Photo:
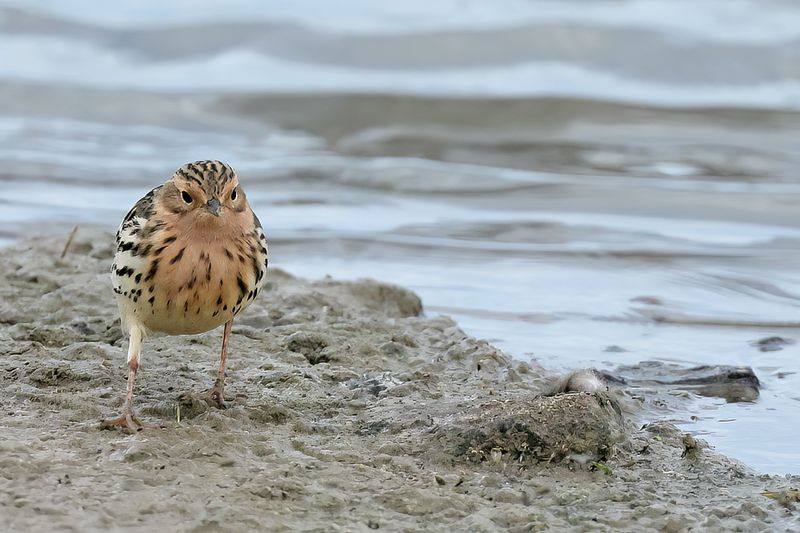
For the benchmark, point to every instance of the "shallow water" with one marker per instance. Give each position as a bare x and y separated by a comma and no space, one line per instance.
547,166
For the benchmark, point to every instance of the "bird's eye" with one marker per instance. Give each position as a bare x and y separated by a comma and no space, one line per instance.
234,193
186,197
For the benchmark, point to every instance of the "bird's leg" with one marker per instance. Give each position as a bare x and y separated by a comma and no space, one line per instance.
216,392
128,421
214,395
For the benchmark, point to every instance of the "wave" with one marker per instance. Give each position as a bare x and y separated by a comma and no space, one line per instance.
53,60
737,21
565,59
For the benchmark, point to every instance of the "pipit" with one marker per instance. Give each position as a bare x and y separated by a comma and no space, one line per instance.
191,255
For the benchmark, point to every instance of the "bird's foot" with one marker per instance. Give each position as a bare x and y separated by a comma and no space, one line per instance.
127,422
212,396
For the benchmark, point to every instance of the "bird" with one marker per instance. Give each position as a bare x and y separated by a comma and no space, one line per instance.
190,256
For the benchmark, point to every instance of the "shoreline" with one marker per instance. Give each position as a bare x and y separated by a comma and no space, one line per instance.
350,409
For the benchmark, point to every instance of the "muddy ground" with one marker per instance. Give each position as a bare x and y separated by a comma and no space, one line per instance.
350,410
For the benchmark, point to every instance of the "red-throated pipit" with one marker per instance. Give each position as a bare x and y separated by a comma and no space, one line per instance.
191,255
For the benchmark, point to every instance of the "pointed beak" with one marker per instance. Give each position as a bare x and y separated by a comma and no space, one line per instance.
213,206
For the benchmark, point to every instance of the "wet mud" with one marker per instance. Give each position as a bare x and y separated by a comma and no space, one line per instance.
350,409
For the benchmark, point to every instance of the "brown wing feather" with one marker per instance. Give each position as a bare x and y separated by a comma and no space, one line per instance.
141,210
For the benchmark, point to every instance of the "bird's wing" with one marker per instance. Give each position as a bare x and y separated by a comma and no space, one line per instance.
131,248
133,223
262,240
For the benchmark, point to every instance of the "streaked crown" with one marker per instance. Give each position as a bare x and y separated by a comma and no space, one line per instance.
211,175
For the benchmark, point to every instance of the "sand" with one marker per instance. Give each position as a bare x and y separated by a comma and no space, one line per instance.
350,409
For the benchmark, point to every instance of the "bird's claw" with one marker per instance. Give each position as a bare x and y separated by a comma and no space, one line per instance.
127,422
212,396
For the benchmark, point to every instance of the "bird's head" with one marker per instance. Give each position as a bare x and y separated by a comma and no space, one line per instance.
207,191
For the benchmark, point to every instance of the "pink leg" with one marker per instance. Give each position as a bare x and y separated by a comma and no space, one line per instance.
216,392
128,421
215,395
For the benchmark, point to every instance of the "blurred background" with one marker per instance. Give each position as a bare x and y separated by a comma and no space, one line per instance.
582,183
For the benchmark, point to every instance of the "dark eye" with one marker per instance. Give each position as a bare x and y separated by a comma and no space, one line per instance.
234,193
186,197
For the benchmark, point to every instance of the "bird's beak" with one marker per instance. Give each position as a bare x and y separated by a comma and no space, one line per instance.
213,206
